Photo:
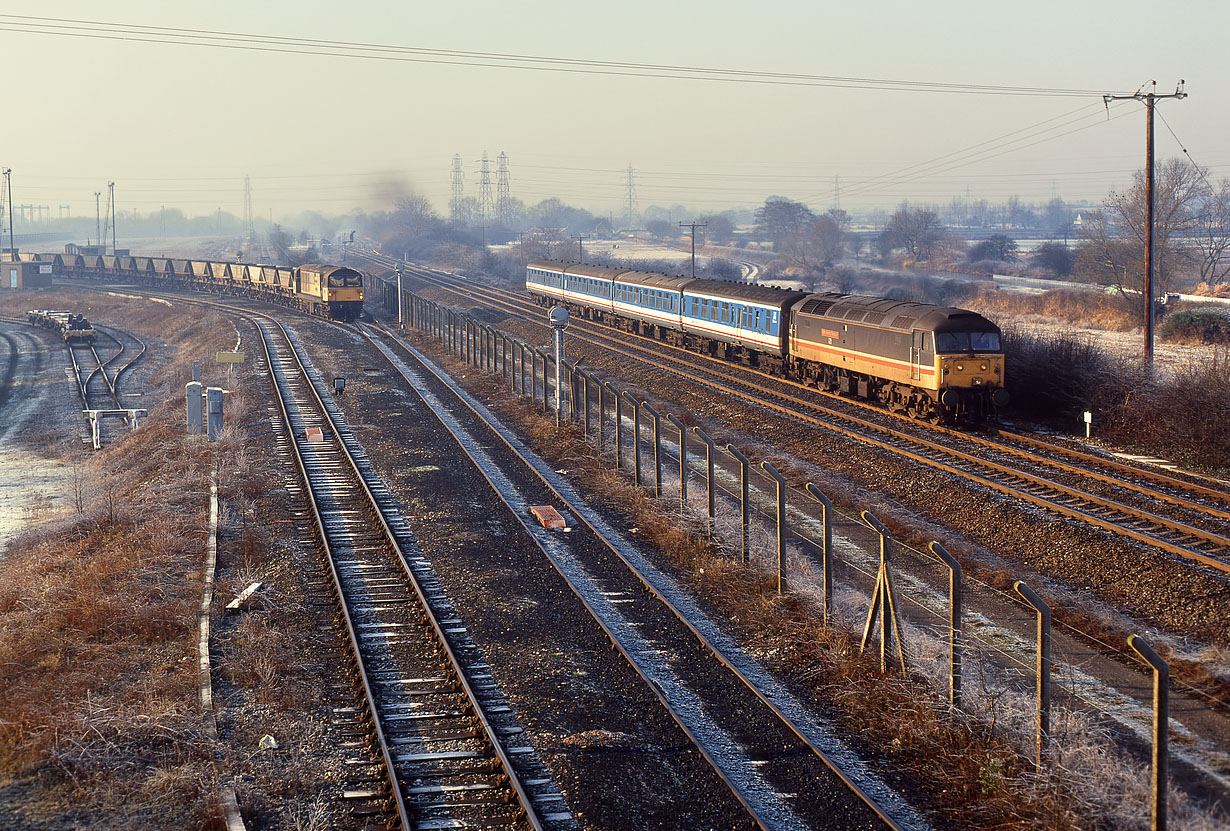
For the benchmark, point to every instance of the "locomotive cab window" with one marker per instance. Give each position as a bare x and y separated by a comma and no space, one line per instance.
957,342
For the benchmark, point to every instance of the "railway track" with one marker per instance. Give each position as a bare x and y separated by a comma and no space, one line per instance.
756,736
98,389
1181,516
451,750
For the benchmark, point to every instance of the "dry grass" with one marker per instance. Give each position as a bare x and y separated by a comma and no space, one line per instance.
1077,308
98,704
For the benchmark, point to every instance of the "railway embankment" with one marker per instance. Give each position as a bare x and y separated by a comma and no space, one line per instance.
100,719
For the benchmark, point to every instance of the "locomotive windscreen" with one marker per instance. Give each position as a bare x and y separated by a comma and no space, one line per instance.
950,342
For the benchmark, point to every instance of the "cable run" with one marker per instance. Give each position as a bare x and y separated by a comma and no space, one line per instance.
105,30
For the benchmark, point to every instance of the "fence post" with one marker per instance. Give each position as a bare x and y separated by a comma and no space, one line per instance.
954,624
512,366
546,397
619,424
533,372
884,600
683,463
524,346
585,376
781,525
1043,667
826,550
572,392
636,437
601,414
533,375
657,448
744,518
709,447
1161,725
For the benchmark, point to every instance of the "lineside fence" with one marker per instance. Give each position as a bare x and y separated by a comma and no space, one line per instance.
910,605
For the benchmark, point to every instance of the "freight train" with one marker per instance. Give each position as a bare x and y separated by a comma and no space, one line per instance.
73,328
327,290
931,362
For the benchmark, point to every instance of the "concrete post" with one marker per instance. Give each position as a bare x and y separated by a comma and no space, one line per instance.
213,396
781,524
1161,726
709,448
1043,669
636,437
196,416
954,623
683,463
826,552
619,424
744,516
657,448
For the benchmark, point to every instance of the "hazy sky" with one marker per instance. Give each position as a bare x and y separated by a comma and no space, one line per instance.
182,124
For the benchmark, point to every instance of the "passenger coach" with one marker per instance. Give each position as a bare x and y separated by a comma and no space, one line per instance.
930,362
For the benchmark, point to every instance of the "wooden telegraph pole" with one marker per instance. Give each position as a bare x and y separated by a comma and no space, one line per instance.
1150,99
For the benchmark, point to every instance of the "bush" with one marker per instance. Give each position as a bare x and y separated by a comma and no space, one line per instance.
1205,324
1054,258
1053,376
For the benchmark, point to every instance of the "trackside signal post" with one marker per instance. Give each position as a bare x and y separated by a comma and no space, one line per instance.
558,318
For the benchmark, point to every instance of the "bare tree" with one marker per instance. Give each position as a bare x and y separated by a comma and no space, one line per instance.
1055,257
662,229
814,247
1177,188
778,218
995,247
1211,235
719,228
914,229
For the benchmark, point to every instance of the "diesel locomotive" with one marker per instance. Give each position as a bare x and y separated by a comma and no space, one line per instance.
930,362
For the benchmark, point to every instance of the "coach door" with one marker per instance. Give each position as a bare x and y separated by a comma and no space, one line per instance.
916,350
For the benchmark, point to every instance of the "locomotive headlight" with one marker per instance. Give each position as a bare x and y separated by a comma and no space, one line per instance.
960,367
983,367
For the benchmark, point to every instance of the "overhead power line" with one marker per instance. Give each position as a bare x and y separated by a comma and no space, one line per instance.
983,151
106,30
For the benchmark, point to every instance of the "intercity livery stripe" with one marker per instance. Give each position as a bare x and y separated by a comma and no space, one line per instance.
797,346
